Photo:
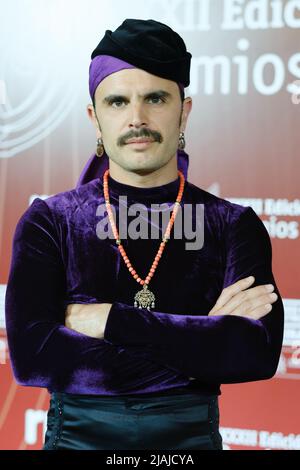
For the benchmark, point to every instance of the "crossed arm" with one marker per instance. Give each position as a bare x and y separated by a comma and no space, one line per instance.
221,347
237,299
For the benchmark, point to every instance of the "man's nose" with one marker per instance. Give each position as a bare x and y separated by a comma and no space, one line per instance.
138,115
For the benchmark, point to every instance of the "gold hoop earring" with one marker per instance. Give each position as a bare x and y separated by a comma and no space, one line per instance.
100,148
181,144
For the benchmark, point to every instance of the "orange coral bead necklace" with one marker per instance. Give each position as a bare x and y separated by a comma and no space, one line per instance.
143,298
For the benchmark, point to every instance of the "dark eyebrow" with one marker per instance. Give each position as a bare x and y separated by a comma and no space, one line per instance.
159,93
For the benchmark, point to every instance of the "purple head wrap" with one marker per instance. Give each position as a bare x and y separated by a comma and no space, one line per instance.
103,65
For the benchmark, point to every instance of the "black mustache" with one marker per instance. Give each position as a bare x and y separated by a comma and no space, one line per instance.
139,135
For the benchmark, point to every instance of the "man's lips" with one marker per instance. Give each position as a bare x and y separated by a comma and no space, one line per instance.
139,141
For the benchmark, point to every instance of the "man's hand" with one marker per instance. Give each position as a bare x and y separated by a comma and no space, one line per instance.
252,303
88,319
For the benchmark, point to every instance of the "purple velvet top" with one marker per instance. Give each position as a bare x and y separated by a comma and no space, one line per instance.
58,259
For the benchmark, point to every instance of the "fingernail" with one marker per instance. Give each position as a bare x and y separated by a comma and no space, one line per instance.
269,287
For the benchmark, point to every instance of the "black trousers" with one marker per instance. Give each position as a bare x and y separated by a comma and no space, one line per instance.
175,420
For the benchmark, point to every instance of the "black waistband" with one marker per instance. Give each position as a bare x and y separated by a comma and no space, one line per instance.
174,392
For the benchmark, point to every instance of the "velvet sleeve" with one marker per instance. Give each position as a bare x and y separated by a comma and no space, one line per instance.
43,351
224,348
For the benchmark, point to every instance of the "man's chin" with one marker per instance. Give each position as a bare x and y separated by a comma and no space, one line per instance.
141,161
144,171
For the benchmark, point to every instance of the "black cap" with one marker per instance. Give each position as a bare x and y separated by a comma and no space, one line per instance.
149,45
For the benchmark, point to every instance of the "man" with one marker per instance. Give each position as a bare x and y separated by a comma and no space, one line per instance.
133,337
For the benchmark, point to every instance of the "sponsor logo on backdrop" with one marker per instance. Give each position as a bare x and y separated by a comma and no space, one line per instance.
38,87
35,426
296,95
233,15
280,216
289,365
2,303
261,439
246,68
3,350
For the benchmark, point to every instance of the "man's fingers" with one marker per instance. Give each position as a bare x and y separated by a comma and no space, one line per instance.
259,312
248,306
250,298
232,290
255,313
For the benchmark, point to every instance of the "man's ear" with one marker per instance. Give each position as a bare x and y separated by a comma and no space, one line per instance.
186,109
92,116
91,112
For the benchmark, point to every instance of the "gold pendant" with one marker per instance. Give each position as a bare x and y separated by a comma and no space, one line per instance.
144,298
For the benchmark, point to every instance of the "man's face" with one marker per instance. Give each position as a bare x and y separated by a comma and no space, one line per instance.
144,106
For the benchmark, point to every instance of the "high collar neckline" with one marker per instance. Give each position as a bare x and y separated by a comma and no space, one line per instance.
164,192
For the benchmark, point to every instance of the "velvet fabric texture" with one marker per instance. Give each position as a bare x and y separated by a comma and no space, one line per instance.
58,258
